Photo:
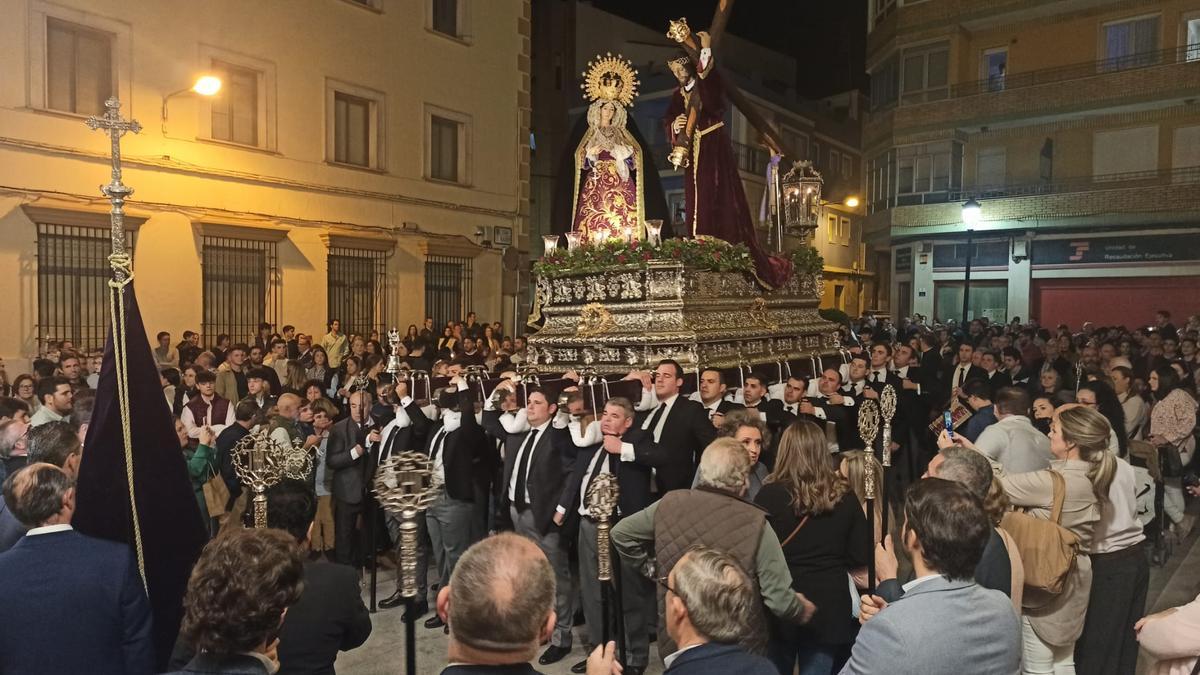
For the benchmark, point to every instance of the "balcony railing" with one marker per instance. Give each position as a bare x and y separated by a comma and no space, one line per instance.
1188,174
1076,71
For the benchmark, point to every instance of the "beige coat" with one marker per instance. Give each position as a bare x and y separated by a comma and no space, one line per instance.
1058,620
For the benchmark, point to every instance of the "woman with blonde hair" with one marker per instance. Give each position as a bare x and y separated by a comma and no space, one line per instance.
825,536
853,469
1052,623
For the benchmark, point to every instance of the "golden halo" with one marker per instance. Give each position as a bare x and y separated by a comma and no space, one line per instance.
610,77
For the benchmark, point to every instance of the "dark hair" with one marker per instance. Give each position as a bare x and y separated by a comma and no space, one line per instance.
259,373
203,376
323,405
762,381
278,341
291,507
1109,405
950,524
1013,401
41,498
44,368
885,345
287,328
9,406
53,443
240,347
977,388
82,406
239,589
1168,381
162,334
718,371
673,363
47,386
171,375
1011,351
245,410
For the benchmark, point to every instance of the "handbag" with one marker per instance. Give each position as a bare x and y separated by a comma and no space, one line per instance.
1047,548
216,495
792,536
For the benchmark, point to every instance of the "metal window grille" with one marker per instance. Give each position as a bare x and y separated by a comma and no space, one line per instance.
72,276
357,289
447,288
240,286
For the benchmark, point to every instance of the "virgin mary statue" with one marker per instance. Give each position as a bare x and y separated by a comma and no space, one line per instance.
608,168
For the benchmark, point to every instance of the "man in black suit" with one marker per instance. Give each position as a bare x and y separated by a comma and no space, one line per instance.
1018,374
678,425
912,418
499,605
770,411
330,615
626,453
407,431
833,405
72,604
348,455
930,363
962,370
459,450
712,395
536,465
997,377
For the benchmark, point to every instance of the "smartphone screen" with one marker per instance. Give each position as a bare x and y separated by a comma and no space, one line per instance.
948,421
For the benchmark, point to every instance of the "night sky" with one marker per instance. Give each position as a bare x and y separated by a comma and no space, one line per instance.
827,37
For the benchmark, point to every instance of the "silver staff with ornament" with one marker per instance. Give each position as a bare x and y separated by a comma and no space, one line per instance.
868,428
404,486
887,411
261,462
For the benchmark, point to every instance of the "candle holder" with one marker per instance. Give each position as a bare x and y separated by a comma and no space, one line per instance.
549,243
573,241
654,232
260,462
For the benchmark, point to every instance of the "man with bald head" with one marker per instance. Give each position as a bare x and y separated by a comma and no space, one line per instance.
499,606
46,589
347,455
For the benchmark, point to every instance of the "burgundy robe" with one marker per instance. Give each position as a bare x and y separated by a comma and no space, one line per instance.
716,202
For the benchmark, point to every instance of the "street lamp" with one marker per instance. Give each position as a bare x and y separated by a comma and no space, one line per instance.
205,85
971,213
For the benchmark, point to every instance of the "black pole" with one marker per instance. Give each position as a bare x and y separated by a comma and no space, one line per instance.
967,282
372,524
410,635
871,563
618,604
605,612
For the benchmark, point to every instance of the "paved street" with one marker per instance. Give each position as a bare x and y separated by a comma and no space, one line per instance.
383,654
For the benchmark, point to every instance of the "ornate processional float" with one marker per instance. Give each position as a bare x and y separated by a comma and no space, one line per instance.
619,296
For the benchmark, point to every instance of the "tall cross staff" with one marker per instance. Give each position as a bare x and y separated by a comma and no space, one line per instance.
122,268
116,191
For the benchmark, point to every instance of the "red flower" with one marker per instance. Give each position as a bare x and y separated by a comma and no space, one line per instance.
646,256
676,253
621,258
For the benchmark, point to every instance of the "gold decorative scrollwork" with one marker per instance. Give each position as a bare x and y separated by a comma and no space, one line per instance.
594,319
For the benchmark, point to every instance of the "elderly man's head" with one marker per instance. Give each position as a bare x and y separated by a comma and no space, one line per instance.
40,494
709,598
288,406
56,443
965,466
725,466
499,603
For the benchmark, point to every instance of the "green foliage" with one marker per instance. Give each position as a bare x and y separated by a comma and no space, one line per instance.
704,254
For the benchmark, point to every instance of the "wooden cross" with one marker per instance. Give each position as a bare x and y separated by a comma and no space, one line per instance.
116,191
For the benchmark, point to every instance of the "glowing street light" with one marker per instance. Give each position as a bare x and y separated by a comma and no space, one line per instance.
205,85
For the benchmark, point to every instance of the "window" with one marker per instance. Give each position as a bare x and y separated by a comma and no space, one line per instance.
1132,43
797,141
444,17
995,68
835,162
355,125
235,110
72,283
847,166
881,181
1185,153
832,225
239,285
79,68
1124,151
447,145
1191,37
990,169
1046,161
885,83
357,289
844,233
447,288
352,130
816,154
929,171
924,74
839,297
881,9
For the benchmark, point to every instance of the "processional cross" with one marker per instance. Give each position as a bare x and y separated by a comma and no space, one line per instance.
116,191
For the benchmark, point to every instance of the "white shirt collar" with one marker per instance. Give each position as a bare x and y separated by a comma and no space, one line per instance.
674,655
918,581
542,427
49,529
690,85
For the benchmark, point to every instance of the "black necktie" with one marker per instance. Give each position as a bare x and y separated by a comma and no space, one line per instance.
874,375
391,444
522,469
962,373
658,413
793,408
436,448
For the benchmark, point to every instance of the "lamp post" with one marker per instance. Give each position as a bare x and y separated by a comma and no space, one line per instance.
205,85
971,213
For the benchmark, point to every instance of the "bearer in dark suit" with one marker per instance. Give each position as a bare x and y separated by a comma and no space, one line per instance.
832,405
912,418
678,426
962,370
711,393
626,452
459,451
536,465
770,411
349,456
996,376
71,604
